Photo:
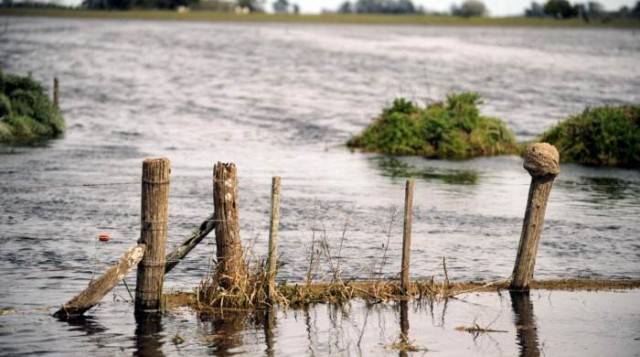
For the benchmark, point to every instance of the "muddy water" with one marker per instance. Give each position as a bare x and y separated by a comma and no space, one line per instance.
281,100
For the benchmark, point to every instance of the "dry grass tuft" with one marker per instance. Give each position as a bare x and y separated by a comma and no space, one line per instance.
405,345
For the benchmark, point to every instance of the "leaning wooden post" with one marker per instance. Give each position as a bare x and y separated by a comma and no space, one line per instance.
191,242
231,269
154,215
101,286
542,162
273,238
56,92
406,236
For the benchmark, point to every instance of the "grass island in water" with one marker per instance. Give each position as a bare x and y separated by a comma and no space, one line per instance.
603,136
26,113
453,129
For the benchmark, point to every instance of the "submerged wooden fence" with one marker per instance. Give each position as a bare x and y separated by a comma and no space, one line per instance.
541,161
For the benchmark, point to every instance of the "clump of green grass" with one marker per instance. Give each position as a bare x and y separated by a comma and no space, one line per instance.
453,129
26,113
603,136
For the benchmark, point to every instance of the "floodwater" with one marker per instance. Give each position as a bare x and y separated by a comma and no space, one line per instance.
281,99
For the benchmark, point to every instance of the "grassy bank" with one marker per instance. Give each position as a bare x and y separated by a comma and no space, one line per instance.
324,18
603,136
26,113
453,129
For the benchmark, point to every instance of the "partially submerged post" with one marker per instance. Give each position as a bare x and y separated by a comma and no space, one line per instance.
101,286
56,92
231,269
273,238
154,216
542,162
406,236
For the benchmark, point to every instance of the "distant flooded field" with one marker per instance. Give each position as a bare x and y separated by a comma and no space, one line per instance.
281,99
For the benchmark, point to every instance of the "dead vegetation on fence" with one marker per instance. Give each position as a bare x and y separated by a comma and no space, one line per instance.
301,295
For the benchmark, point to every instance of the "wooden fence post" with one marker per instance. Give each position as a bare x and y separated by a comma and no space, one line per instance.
56,92
232,269
406,236
273,238
542,162
153,233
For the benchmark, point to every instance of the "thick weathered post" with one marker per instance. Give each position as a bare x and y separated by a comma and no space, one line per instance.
101,286
231,269
56,92
273,237
153,233
542,162
406,236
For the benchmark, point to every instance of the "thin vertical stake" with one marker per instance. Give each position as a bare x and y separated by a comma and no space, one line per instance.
56,92
273,237
406,235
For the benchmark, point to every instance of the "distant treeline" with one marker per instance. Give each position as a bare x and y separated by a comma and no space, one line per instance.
380,7
129,4
563,9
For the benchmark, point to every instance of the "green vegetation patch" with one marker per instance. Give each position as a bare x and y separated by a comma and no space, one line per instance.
603,136
453,129
26,113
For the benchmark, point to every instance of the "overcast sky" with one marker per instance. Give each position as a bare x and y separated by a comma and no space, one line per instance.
496,7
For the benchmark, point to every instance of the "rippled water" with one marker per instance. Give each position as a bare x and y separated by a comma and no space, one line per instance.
280,100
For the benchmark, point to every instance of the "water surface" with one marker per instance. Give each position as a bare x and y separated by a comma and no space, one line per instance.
281,99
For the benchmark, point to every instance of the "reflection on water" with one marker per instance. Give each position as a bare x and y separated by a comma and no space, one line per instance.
87,324
611,188
404,326
149,335
525,323
562,323
395,168
269,324
223,330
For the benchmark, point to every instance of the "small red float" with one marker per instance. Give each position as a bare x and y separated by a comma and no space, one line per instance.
104,237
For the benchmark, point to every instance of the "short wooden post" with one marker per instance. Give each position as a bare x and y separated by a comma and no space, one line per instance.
273,238
153,233
406,236
231,269
542,162
56,92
